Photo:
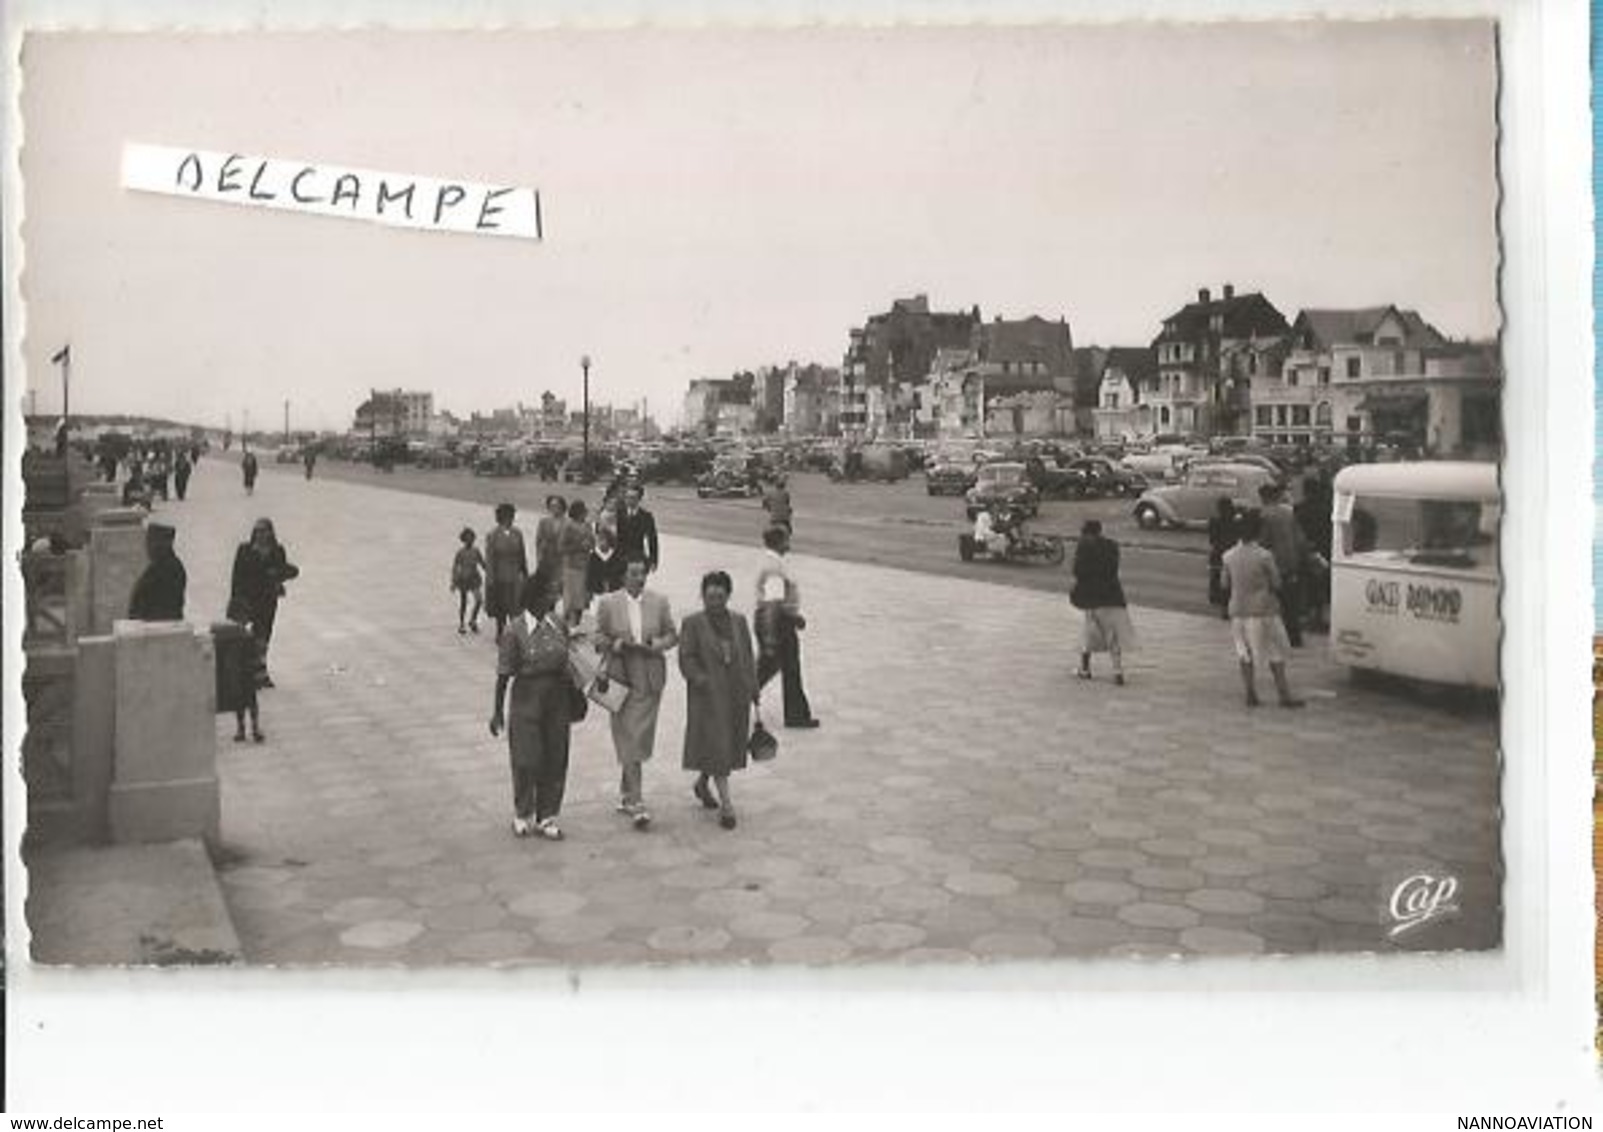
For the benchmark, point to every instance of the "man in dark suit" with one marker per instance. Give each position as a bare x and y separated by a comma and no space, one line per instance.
159,593
637,530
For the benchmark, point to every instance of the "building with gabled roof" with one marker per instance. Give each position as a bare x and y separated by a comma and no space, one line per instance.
1195,393
1367,376
1121,414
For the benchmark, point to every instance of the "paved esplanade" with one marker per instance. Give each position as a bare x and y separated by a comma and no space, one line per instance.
967,796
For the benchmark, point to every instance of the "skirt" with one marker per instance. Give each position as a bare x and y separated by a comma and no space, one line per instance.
634,727
1107,629
503,598
575,588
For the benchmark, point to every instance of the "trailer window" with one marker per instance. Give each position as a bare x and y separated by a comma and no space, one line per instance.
1426,532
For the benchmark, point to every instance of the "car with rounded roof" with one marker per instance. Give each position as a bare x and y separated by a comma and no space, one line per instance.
1195,499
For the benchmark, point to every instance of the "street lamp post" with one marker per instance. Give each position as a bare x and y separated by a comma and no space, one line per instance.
584,364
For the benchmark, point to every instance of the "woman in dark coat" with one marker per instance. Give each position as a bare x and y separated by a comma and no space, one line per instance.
1222,530
260,570
1098,594
720,670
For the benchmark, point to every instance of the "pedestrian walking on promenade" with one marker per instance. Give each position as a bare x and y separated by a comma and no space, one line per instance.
1284,539
776,501
248,468
1253,581
1221,537
467,580
309,458
715,657
635,627
157,476
1099,596
637,530
158,594
604,573
1318,527
261,567
574,546
548,532
533,662
506,568
245,672
182,468
779,623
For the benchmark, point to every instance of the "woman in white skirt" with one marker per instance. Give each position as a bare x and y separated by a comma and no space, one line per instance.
1098,594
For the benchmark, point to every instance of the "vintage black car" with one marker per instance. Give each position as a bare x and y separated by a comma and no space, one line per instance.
948,477
1003,484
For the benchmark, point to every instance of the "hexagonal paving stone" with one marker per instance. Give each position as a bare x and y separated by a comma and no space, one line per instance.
838,912
1168,880
913,898
1159,916
1018,823
901,845
465,917
981,884
770,867
698,877
377,934
1284,856
491,946
1111,858
731,901
439,896
884,935
873,876
1354,912
364,908
688,940
769,925
1101,892
1146,952
1220,941
568,930
1225,902
810,950
1013,945
1228,866
1079,935
947,955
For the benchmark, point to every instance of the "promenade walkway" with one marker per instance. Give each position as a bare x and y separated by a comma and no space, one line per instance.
965,798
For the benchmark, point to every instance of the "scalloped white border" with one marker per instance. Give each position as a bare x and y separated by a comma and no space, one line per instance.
1464,1033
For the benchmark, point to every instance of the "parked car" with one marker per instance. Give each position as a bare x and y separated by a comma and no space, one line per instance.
289,454
948,477
435,456
879,463
1105,478
575,470
1155,466
727,483
1194,501
496,460
1056,480
1002,483
1257,460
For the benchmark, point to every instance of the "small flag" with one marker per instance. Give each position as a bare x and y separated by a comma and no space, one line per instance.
62,354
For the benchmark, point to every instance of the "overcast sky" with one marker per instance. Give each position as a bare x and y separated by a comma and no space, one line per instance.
722,200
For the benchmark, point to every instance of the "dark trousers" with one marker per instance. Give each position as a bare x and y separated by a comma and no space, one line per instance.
1291,608
539,745
787,662
261,626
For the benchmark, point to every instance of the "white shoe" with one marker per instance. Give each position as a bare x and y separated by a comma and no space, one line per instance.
522,827
549,829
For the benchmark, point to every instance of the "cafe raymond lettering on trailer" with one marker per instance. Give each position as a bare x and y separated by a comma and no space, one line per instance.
402,200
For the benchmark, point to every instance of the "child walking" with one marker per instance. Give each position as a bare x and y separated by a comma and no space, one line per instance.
248,672
467,578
